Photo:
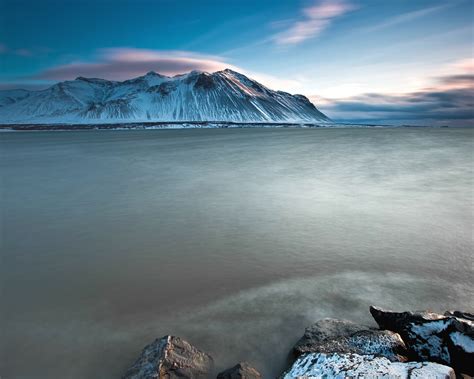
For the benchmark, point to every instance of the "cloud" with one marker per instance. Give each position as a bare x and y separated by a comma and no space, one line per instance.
126,63
456,82
450,102
315,19
405,17
23,52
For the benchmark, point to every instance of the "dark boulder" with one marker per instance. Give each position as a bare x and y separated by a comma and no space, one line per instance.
241,370
341,336
446,339
459,314
171,358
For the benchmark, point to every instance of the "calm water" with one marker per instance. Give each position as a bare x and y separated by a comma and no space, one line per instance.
233,239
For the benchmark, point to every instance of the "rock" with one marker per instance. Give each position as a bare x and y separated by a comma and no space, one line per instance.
241,370
169,358
341,336
321,365
466,315
446,339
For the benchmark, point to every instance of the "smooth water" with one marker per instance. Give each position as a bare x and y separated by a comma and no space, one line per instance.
233,239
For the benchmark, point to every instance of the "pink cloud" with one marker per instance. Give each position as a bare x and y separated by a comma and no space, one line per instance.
316,19
126,63
466,65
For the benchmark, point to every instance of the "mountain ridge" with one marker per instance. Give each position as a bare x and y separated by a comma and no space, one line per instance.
225,95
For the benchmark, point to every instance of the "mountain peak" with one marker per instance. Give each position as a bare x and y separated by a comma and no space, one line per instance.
198,72
225,95
228,70
91,80
153,73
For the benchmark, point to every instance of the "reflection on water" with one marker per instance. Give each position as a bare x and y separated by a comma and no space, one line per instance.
233,239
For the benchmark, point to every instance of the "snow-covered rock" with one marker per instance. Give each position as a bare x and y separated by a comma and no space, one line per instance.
172,358
341,336
339,366
445,339
197,96
242,370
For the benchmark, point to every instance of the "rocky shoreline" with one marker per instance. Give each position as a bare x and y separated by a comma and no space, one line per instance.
406,345
162,125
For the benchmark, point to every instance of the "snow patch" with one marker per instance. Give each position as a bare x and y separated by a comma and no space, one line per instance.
320,365
463,341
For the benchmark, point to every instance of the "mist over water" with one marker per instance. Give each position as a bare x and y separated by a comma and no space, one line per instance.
233,239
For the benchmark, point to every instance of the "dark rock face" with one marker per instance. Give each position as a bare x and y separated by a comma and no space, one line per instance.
446,339
204,81
241,370
171,358
163,88
340,336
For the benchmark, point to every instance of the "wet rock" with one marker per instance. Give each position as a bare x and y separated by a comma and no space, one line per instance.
169,358
459,314
341,336
241,370
446,339
321,365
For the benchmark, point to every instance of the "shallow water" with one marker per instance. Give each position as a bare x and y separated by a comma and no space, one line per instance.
233,239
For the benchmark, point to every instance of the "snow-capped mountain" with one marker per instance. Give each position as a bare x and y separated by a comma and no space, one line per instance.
196,96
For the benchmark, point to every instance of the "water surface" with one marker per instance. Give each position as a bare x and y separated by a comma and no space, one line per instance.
233,239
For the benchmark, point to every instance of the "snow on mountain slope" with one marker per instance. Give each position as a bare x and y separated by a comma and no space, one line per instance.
196,96
11,96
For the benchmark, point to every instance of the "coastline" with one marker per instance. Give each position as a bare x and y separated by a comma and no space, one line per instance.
162,125
407,344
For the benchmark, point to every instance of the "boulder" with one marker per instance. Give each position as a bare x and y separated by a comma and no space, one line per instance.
169,358
446,339
322,365
465,315
241,370
341,336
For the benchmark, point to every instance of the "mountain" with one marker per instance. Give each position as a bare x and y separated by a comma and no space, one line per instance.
196,96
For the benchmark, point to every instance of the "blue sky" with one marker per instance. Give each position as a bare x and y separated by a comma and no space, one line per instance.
356,59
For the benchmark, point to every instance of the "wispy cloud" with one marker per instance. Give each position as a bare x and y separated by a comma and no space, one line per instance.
315,19
23,52
125,63
406,17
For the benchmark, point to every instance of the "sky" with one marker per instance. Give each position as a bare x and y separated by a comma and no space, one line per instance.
368,61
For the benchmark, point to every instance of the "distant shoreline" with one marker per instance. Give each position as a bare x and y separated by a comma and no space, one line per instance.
189,125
